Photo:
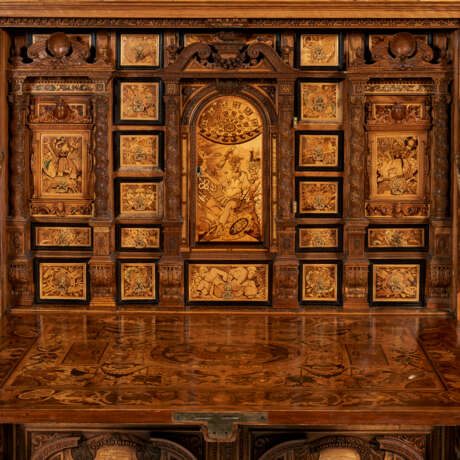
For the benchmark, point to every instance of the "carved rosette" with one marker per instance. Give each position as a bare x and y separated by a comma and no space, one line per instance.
440,149
101,186
358,150
17,164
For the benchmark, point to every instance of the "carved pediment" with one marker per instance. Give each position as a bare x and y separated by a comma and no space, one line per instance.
229,52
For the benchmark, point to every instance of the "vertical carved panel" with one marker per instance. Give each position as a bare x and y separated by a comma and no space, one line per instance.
171,283
101,186
440,188
358,150
356,282
285,284
17,155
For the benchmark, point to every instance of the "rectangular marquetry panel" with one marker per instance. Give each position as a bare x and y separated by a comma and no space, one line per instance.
137,281
139,237
61,236
320,283
235,283
396,282
397,237
61,281
319,238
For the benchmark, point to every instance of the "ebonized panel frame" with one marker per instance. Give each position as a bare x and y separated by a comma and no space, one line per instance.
119,282
40,260
35,246
138,32
119,247
338,133
297,49
325,303
116,148
267,303
117,120
420,262
424,248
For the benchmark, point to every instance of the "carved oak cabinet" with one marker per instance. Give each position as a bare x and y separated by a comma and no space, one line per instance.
239,164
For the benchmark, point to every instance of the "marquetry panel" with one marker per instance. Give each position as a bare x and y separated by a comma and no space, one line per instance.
319,51
137,238
396,282
139,50
139,197
397,238
230,165
234,283
138,101
61,237
319,197
61,281
320,101
138,151
319,238
320,283
137,281
319,150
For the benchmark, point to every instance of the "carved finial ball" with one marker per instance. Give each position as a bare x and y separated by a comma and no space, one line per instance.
59,44
403,44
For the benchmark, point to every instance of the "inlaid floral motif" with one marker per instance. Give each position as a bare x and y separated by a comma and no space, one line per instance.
139,101
62,281
319,50
139,50
320,102
319,282
137,281
396,283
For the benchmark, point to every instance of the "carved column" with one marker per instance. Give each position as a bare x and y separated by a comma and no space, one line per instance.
286,266
356,264
440,149
102,268
19,261
171,265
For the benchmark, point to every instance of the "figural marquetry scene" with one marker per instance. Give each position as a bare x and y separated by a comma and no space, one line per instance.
284,169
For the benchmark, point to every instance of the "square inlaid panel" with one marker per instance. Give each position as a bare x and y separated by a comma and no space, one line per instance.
320,282
126,364
138,101
319,101
139,50
141,197
319,51
396,282
137,281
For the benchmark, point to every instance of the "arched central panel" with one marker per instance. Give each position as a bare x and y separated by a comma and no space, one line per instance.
229,205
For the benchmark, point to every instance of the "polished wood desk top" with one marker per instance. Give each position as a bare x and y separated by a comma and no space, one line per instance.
299,369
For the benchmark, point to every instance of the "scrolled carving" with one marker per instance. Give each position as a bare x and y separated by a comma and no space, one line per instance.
102,279
286,278
59,50
401,51
20,278
410,447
